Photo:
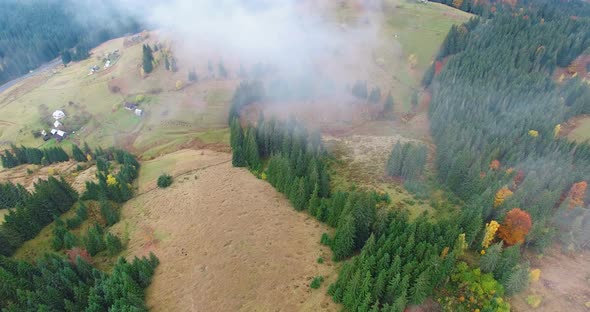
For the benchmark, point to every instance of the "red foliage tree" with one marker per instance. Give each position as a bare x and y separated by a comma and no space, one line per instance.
515,227
77,251
577,194
518,178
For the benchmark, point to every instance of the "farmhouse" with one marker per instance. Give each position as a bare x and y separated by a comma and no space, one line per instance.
58,134
130,106
138,112
58,114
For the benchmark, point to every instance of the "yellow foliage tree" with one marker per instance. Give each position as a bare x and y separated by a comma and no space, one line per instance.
89,157
534,133
556,130
535,275
179,84
501,196
460,245
111,180
491,229
457,3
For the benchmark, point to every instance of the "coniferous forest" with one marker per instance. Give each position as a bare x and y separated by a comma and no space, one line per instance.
35,32
496,112
57,282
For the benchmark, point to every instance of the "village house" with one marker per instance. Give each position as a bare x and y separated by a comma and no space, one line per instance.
130,106
58,135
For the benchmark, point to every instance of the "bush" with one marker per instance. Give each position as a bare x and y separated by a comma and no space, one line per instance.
320,260
164,181
316,282
325,240
534,301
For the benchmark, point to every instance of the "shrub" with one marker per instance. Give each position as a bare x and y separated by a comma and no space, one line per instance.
164,181
320,260
316,282
325,240
534,301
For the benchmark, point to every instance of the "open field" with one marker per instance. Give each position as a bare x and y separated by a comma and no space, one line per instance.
263,255
559,287
581,131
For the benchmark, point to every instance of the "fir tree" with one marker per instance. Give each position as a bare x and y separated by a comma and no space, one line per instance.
148,59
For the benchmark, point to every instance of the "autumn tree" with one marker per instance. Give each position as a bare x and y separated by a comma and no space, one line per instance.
577,194
490,233
501,196
495,164
515,227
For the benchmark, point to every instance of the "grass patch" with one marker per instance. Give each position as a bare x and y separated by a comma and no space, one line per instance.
582,131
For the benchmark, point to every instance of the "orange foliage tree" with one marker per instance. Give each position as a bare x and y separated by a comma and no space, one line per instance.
577,194
501,196
515,227
457,3
495,164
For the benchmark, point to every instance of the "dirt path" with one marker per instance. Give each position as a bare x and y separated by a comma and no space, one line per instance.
227,242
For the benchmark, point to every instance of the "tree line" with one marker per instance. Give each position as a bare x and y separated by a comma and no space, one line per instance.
31,155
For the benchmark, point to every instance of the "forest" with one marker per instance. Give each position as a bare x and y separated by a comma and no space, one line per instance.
35,32
495,113
66,280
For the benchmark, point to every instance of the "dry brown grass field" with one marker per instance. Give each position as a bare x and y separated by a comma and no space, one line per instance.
226,240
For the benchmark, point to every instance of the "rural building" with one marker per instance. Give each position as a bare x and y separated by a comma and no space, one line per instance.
57,124
58,134
130,106
58,114
138,112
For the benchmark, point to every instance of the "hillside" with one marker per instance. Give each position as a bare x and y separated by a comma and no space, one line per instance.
355,155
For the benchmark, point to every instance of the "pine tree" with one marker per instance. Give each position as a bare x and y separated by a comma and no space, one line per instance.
113,244
315,203
491,258
251,150
343,243
388,107
148,59
517,280
78,154
421,288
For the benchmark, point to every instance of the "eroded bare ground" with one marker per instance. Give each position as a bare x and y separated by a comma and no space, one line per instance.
28,175
227,242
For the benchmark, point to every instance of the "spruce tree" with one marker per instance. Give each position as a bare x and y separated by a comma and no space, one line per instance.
251,150
148,59
78,154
